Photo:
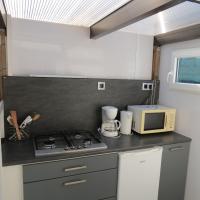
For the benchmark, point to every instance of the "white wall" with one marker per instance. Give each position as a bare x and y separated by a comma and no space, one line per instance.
53,49
188,115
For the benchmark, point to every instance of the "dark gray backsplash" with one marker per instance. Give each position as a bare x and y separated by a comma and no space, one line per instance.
69,103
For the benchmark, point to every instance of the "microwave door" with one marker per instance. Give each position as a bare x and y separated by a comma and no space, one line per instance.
154,121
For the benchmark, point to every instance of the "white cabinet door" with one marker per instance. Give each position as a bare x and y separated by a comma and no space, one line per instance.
12,183
139,174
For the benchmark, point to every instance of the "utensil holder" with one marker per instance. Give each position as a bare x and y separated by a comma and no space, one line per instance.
25,134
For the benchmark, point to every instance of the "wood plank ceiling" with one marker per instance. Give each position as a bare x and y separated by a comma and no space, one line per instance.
101,16
72,12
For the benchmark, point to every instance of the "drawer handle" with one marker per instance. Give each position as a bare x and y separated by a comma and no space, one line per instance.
176,148
74,183
75,168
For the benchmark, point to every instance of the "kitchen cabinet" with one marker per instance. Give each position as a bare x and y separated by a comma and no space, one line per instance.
139,173
96,177
91,186
12,177
173,171
63,168
91,178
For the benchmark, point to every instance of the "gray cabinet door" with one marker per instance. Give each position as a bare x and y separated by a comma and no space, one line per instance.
173,171
91,186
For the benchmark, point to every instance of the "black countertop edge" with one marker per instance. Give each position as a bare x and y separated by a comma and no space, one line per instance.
22,153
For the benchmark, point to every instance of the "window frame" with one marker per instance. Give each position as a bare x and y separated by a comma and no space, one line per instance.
171,77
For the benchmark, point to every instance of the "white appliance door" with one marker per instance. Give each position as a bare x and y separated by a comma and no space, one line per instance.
139,174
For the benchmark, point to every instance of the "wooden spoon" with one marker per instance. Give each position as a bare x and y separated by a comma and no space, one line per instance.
13,114
35,117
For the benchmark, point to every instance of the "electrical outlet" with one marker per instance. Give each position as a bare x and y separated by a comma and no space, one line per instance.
147,86
101,85
150,86
144,86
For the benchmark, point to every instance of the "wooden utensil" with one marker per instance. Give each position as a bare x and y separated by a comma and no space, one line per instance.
28,120
35,117
9,119
13,114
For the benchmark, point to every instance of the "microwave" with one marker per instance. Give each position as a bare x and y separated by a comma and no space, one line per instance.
152,118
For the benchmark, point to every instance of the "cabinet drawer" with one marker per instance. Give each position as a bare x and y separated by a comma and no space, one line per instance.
91,186
69,167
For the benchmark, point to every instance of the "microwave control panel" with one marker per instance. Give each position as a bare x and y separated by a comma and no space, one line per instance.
171,120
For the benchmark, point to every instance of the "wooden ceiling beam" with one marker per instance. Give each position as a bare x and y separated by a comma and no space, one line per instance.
183,34
131,12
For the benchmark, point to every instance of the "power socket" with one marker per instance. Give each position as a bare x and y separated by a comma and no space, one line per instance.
101,85
147,86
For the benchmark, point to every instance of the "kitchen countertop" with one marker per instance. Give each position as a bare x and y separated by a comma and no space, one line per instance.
21,153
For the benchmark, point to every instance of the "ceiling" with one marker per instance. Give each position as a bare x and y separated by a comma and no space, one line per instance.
181,15
87,12
73,12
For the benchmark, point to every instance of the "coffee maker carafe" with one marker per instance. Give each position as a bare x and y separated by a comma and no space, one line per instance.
110,127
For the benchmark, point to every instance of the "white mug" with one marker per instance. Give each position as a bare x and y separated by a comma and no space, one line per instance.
126,118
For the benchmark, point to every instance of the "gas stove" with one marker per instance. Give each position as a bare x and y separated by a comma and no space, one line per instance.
67,142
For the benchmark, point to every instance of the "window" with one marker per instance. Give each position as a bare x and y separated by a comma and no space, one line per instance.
185,73
188,70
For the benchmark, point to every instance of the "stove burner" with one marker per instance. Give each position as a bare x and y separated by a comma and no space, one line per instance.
50,143
49,146
78,136
67,142
50,140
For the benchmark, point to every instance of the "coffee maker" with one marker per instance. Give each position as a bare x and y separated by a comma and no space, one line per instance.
110,127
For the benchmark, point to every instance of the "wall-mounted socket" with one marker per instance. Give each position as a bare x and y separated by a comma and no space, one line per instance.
147,86
101,85
150,86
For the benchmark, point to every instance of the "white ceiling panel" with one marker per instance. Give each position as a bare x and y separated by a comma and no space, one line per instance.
73,12
182,15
